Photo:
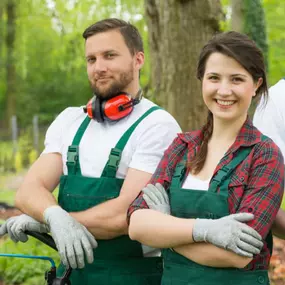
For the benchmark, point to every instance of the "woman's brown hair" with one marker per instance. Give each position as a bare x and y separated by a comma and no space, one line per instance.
241,48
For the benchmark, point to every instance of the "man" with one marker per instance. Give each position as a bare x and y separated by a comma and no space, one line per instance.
269,118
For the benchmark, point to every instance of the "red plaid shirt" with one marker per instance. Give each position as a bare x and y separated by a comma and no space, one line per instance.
256,186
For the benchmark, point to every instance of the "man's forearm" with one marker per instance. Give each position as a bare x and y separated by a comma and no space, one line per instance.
32,199
278,227
210,255
35,193
107,220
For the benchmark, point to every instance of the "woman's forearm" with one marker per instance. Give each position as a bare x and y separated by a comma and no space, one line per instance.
210,255
158,230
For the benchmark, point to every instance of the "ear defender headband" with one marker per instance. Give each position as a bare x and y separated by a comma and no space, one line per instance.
113,109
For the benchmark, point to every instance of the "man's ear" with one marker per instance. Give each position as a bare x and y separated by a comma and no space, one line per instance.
139,60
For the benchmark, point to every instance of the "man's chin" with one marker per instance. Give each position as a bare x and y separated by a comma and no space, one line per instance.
103,95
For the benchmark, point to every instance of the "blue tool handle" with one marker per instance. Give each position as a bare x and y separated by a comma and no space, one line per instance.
29,257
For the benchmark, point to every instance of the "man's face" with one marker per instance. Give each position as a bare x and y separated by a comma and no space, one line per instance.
110,66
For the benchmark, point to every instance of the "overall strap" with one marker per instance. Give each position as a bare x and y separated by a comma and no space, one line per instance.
222,178
179,172
112,164
72,163
224,173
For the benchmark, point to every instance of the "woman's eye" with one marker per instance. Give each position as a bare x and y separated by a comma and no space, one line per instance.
237,79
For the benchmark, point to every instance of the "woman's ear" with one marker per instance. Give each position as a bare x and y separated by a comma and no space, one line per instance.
258,84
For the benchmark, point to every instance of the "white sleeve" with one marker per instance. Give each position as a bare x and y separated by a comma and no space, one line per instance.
152,142
269,120
54,135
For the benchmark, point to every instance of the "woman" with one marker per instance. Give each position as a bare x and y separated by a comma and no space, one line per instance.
227,167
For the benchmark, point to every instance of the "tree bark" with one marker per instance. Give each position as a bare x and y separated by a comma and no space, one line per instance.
2,63
237,15
10,64
177,31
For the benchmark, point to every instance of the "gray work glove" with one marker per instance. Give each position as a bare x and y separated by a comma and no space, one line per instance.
72,239
156,198
229,233
15,227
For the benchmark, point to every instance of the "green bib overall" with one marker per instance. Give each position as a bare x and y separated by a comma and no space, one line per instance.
188,203
118,261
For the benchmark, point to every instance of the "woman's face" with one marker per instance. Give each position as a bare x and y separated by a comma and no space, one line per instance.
227,88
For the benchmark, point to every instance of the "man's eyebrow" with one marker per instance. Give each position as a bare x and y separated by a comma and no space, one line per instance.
102,52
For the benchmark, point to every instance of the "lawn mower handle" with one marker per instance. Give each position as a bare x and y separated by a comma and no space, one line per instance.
50,276
45,238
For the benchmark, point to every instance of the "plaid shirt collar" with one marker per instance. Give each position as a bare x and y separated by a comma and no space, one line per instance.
248,136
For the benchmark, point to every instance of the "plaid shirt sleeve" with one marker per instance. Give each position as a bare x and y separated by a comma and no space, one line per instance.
163,173
265,187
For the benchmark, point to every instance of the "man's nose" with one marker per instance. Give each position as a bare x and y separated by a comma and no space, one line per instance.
100,65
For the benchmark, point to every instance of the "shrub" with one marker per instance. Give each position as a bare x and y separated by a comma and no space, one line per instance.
25,271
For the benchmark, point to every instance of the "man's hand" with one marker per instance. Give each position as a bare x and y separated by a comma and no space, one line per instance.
15,227
156,198
72,239
229,233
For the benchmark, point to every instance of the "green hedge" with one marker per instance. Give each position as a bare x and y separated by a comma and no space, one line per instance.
25,271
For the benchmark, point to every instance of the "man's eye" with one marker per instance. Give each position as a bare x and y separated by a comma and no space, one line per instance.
91,60
110,55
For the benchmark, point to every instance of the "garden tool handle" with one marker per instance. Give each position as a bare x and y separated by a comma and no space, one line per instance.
48,240
45,238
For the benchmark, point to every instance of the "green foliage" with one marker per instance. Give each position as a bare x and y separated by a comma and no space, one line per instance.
283,204
24,156
7,196
225,23
6,156
33,155
49,51
18,162
274,12
25,271
254,25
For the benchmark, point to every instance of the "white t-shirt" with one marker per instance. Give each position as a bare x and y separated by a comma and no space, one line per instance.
192,182
143,151
270,118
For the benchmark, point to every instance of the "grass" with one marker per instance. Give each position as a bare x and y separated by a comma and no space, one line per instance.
7,196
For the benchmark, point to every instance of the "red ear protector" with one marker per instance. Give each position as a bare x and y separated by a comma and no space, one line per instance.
113,109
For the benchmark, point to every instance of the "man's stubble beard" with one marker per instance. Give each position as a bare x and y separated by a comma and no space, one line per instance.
116,86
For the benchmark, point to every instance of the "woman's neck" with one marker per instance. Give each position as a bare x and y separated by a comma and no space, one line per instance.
226,131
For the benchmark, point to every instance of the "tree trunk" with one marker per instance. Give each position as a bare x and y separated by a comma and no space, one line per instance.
10,65
2,63
237,21
177,31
